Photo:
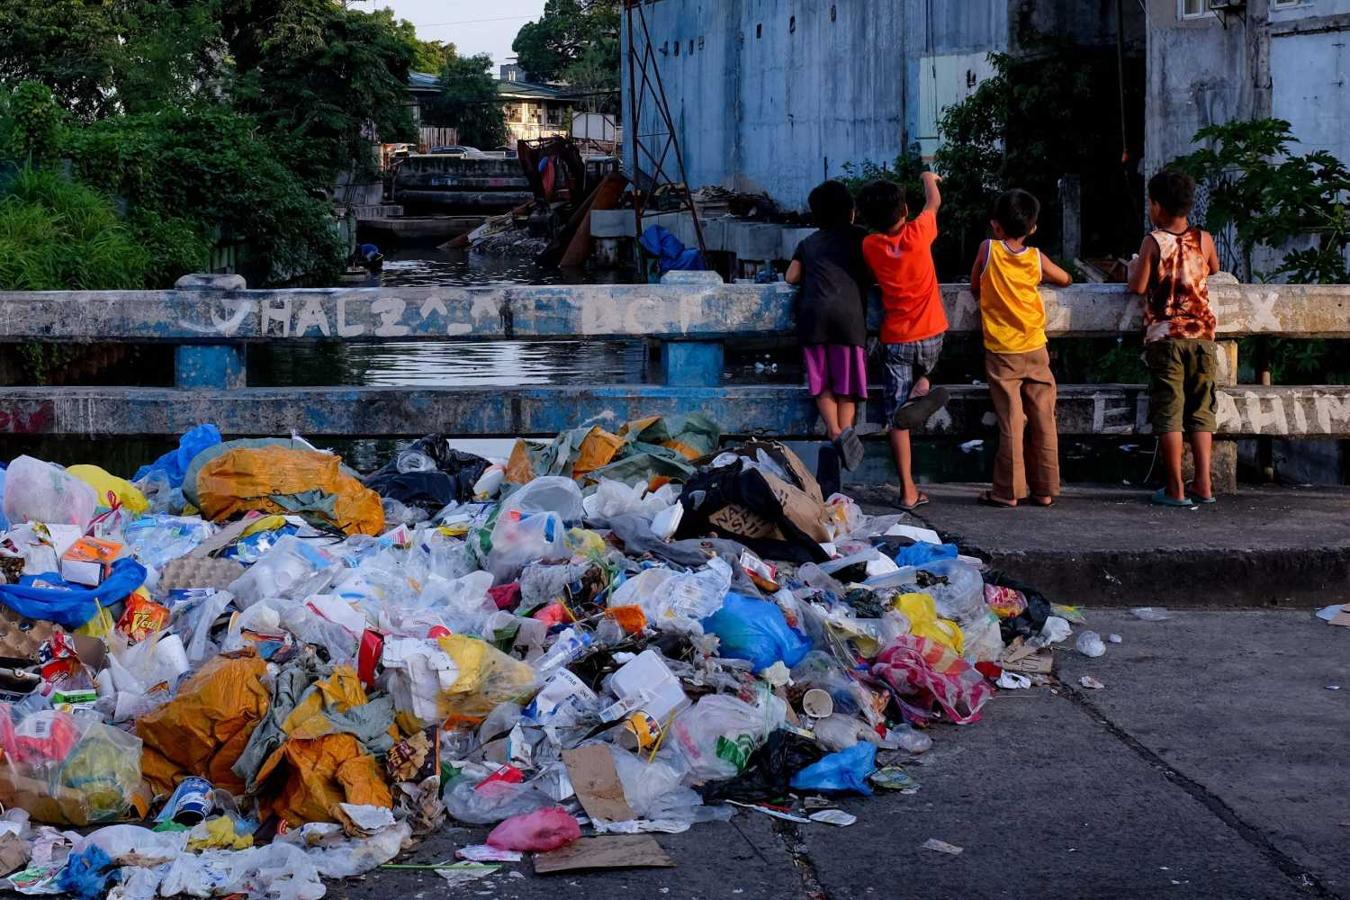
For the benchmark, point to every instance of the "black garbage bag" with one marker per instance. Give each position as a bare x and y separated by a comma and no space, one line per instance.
1029,623
429,474
768,771
735,501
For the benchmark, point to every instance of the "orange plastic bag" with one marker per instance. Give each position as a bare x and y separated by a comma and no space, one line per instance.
319,774
203,730
283,480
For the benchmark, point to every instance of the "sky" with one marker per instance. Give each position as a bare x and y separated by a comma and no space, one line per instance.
474,26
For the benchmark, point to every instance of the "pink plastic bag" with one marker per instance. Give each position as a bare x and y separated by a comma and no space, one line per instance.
539,832
921,672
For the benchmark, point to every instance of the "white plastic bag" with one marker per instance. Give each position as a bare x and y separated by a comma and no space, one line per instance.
677,601
551,493
518,539
38,491
718,733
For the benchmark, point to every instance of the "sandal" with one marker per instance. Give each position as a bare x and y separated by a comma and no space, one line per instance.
850,448
917,411
1160,498
922,501
1196,498
987,498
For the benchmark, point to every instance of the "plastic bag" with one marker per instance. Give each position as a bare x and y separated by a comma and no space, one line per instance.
536,832
676,601
921,673
493,801
718,734
487,677
37,491
769,774
293,568
962,599
48,598
921,612
550,493
521,538
843,772
757,631
109,489
155,540
174,464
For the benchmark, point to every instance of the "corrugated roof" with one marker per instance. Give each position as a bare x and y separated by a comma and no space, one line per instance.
514,90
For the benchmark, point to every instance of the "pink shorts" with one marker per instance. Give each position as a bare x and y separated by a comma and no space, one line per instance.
840,369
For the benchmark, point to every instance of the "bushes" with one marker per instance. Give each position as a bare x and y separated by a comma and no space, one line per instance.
56,234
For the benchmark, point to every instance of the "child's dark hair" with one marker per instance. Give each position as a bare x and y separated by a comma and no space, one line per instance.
1174,191
882,204
831,205
1016,212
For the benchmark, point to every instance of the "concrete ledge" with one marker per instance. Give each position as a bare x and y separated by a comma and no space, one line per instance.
1110,546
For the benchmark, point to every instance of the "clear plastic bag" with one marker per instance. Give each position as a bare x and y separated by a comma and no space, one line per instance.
156,539
676,601
519,539
718,733
38,491
293,568
494,801
550,493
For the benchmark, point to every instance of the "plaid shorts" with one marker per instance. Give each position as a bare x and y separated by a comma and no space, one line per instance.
905,364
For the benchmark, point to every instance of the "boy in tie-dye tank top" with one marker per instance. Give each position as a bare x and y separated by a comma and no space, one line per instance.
1172,271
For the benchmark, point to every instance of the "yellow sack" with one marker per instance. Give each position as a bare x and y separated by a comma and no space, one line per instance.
316,775
597,449
924,622
487,677
105,484
280,480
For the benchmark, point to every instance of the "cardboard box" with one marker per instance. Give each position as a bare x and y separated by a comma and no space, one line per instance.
89,560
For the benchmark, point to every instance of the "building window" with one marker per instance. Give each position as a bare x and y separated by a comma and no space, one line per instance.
1277,4
1192,9
759,30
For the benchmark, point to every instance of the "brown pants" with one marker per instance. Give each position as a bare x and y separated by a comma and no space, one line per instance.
1022,389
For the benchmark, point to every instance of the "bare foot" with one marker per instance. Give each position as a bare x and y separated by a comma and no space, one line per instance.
1043,501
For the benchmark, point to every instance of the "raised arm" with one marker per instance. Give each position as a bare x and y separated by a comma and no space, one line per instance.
1053,274
932,197
1140,269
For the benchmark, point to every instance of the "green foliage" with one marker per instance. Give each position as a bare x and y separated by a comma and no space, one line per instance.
469,102
176,247
170,53
214,169
328,80
56,234
904,171
68,45
430,56
1261,194
30,123
577,42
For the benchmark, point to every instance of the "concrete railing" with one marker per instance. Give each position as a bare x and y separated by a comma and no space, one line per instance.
693,322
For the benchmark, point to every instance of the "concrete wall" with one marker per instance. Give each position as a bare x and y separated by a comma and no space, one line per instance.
1309,66
777,95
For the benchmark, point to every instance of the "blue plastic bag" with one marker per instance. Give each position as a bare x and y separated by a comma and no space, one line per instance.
71,605
756,630
840,772
921,552
88,875
174,464
4,523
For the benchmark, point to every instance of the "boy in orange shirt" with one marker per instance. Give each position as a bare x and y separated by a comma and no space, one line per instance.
913,322
1006,281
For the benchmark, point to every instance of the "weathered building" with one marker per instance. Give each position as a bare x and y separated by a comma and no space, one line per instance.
532,111
1283,58
776,95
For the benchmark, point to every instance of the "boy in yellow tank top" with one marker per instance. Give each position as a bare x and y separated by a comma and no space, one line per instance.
1006,282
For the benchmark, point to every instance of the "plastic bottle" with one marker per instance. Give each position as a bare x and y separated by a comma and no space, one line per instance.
569,646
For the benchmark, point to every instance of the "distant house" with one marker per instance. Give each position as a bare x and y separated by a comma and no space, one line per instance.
532,110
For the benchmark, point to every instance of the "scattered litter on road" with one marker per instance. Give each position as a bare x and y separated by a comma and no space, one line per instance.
1114,638
1337,614
942,847
1333,687
293,673
1151,613
1090,644
1091,683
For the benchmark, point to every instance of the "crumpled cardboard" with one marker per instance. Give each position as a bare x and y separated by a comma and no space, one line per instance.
203,730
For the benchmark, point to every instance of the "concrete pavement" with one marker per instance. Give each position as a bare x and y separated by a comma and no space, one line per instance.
1212,765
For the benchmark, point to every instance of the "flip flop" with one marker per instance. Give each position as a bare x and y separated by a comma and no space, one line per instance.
850,448
917,411
922,501
1160,498
1196,498
987,498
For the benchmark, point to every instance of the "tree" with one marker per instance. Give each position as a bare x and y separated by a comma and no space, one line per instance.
470,103
327,81
30,123
1261,194
574,41
68,45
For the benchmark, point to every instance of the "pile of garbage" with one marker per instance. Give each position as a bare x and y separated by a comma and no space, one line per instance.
249,668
